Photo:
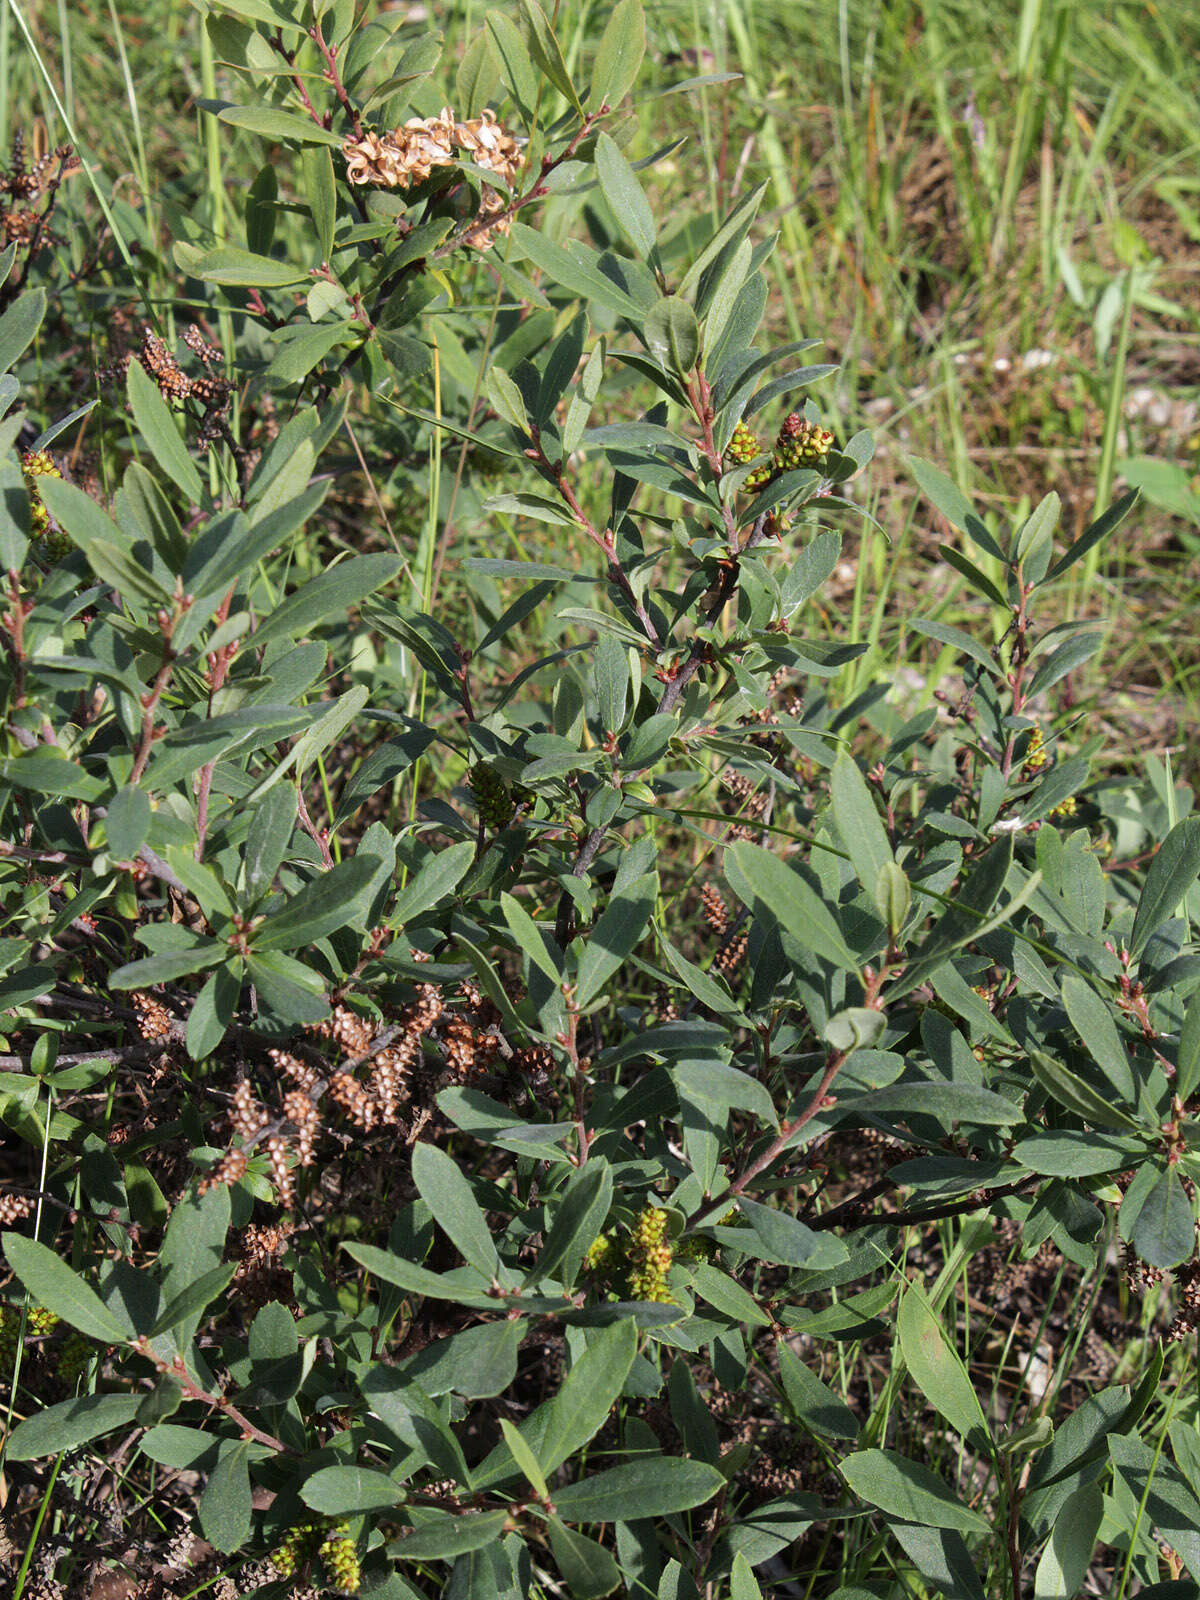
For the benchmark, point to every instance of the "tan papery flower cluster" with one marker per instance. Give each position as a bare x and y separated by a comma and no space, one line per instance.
410,153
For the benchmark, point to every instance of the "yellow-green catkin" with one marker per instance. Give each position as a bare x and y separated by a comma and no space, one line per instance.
53,542
801,444
330,1542
492,796
649,1256
340,1559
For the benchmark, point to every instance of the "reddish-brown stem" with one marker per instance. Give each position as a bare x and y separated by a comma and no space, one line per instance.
319,838
604,542
329,53
150,703
1020,663
218,670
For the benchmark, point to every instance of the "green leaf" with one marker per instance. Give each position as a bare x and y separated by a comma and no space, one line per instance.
477,76
813,1402
1093,1021
559,1429
271,825
321,907
743,1585
618,55
616,934
936,486
415,1279
187,1305
158,429
449,1534
332,593
1070,1090
106,547
241,269
892,893
545,50
529,936
51,1283
286,126
479,1362
1094,534
505,398
1071,1153
626,198
905,1489
349,1491
958,640
858,821
71,1423
440,874
1171,875
947,1102
19,325
213,1009
46,774
937,1368
1068,1554
579,1217
127,823
784,1239
672,334
316,166
577,271
761,880
514,59
449,1196
1188,1064
1165,1231
170,964
651,1488
524,1458
225,1507
587,1568
1039,527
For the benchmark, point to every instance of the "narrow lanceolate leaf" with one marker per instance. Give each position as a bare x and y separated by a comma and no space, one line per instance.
225,1506
1165,1231
1067,1556
906,1489
651,1488
331,594
71,1423
936,1367
578,1219
626,197
559,1429
858,822
321,907
814,1403
1171,875
52,1284
615,936
761,880
618,55
158,429
672,334
19,324
588,1569
441,1185
1093,1021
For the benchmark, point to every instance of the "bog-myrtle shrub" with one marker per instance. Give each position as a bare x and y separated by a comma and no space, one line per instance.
486,1006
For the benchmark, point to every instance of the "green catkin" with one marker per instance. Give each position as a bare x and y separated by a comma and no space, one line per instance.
649,1256
492,796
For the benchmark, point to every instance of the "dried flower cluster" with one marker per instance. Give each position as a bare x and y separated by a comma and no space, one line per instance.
212,391
22,220
409,154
